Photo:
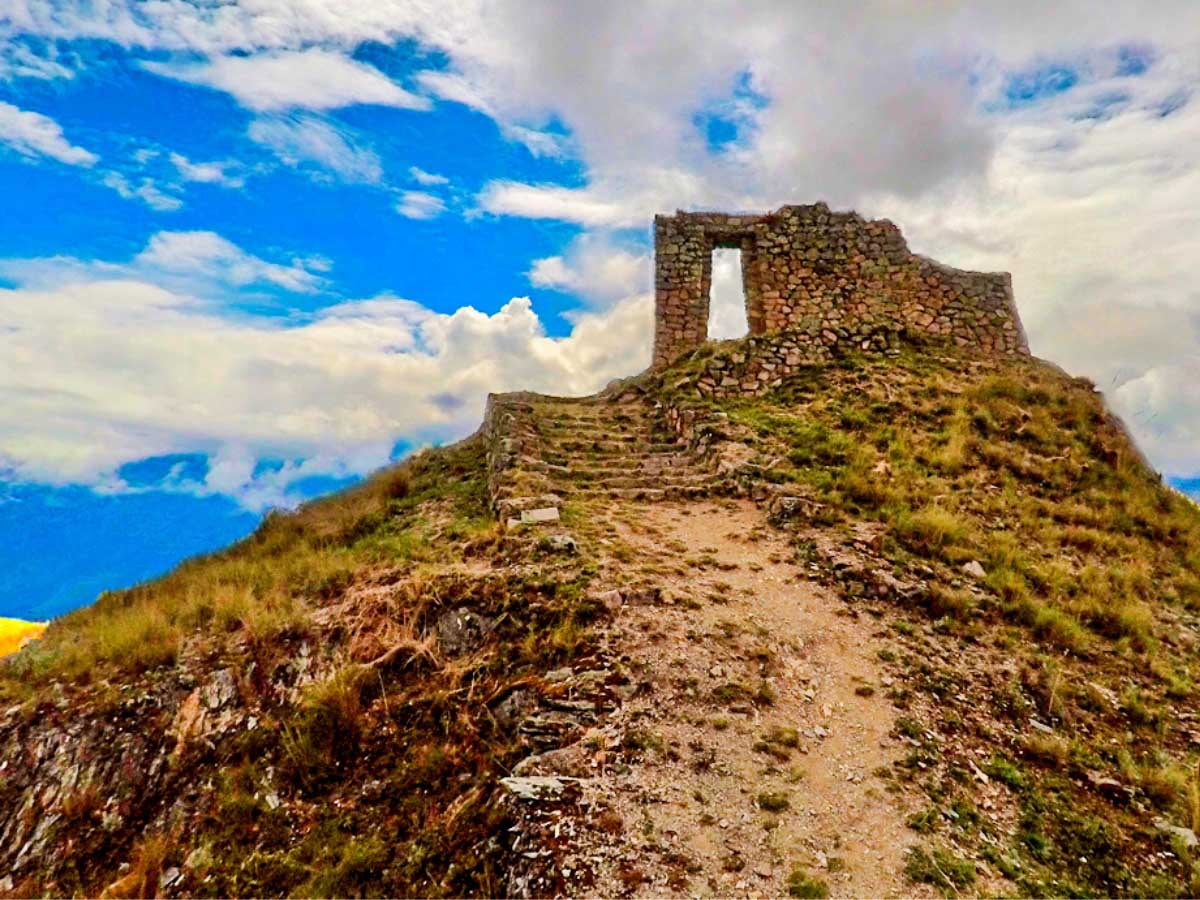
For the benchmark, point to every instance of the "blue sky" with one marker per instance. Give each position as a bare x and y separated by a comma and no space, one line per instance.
251,252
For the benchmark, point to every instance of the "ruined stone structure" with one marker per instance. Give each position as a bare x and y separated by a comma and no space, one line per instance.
817,284
830,278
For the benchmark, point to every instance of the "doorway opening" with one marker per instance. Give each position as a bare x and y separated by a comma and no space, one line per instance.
727,296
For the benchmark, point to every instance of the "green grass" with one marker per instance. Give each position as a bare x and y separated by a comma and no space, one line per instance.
773,801
941,868
801,884
1091,564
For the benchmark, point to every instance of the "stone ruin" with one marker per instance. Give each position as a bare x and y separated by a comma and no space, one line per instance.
827,278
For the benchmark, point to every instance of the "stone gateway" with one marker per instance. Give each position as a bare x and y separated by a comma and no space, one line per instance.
829,277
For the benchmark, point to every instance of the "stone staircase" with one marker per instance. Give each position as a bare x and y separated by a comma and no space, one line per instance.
545,450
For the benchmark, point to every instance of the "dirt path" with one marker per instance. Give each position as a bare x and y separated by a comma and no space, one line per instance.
758,720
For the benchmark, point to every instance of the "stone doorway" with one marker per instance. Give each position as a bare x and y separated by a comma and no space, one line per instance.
727,309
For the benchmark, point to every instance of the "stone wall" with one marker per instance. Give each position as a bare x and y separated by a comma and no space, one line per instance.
830,276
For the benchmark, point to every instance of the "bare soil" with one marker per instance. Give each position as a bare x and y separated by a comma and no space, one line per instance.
758,718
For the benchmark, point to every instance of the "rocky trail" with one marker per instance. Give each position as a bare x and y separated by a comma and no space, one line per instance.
743,755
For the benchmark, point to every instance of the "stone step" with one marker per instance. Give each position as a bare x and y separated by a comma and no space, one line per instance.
581,473
609,446
629,480
671,493
591,410
586,436
591,435
601,426
614,458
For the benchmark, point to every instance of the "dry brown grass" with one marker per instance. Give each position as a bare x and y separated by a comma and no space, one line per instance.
267,584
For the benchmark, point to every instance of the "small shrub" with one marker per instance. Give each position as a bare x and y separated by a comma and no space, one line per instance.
642,739
786,737
773,801
931,529
1004,771
149,857
941,868
327,729
802,885
924,821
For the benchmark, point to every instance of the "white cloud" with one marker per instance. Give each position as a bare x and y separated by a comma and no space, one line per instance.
420,176
208,172
596,268
305,142
420,205
145,190
204,252
141,370
19,61
1098,219
551,201
184,264
32,134
1090,198
306,79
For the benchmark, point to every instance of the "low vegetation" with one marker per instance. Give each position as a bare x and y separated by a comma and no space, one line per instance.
1041,544
368,755
265,586
1042,656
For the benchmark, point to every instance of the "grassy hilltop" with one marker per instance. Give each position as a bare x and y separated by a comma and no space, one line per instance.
327,707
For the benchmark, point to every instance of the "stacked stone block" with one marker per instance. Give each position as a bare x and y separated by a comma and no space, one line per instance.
544,450
831,277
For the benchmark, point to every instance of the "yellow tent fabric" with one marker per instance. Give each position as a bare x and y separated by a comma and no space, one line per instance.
15,632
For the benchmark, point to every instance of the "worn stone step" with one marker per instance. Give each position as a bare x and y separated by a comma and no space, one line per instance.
631,480
599,473
561,426
609,446
665,459
597,435
593,410
641,493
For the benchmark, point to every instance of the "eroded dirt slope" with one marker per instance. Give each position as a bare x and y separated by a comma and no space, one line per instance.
755,721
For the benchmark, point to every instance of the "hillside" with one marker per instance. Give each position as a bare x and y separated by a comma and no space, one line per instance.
912,620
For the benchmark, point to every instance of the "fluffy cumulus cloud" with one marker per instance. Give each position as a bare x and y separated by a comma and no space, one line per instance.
596,268
32,134
309,79
1041,139
147,362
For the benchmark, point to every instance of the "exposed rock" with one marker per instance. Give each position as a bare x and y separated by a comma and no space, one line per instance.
613,600
512,707
539,516
644,596
537,787
461,630
220,690
974,570
1185,835
562,543
571,761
